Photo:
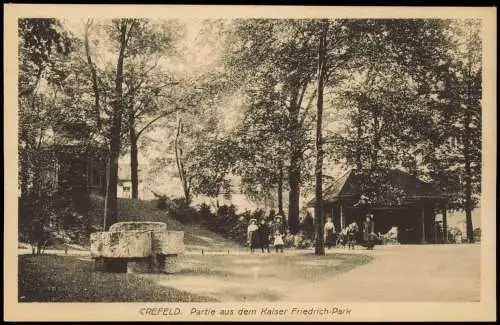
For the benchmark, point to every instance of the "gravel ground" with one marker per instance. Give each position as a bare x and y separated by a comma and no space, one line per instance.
406,273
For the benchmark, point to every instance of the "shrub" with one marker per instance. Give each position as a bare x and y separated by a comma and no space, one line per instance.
162,202
205,214
239,231
181,211
258,214
307,227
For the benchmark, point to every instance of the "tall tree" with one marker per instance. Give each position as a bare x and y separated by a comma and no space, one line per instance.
261,140
281,50
195,145
122,31
147,104
149,85
319,248
42,42
388,97
453,157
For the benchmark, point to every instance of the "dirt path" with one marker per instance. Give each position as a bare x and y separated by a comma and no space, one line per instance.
404,273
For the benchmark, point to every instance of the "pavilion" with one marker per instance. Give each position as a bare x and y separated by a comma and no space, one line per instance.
414,213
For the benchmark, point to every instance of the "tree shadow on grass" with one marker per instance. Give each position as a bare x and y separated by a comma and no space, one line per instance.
53,278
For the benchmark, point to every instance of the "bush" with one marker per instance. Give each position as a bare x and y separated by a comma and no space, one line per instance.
162,202
239,231
226,222
307,227
181,211
205,214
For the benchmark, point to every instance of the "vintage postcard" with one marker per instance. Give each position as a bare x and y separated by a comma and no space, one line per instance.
249,163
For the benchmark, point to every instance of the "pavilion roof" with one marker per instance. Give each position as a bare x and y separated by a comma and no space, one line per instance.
349,185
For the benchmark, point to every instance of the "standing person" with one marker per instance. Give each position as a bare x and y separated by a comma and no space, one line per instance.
36,235
264,236
329,233
278,241
278,224
270,227
252,235
369,231
352,231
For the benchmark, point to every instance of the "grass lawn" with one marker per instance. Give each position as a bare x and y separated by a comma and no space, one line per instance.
53,278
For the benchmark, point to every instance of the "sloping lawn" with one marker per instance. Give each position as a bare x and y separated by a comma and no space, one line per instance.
52,278
138,210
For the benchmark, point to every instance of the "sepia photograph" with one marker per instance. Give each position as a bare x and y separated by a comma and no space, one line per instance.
226,161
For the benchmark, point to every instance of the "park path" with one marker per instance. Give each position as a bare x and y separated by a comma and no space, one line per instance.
402,273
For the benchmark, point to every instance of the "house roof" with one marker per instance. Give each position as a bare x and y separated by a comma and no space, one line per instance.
350,185
336,187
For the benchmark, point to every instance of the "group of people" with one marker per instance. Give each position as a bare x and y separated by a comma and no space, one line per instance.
347,236
263,234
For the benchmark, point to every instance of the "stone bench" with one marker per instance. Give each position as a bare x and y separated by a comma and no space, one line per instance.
137,247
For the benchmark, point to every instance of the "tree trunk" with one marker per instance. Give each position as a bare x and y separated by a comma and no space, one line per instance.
376,141
180,166
280,188
359,163
295,160
111,213
445,224
134,163
318,208
24,173
294,194
111,195
467,142
95,85
468,179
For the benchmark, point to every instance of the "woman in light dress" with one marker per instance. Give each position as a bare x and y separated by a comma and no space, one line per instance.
329,233
253,235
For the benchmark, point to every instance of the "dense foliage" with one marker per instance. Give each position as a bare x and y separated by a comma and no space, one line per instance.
279,102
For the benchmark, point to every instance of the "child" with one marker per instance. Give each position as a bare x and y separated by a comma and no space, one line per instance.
352,231
278,241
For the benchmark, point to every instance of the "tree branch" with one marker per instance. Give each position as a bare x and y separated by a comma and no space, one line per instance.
177,158
308,107
157,118
144,104
304,88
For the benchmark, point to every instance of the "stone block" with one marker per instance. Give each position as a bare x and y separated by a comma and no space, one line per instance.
123,244
169,242
138,226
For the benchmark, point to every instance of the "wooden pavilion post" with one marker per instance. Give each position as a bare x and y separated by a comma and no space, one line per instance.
445,223
423,241
333,214
342,221
434,225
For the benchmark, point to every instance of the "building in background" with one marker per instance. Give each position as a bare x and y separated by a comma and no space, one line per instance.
125,183
73,169
415,215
